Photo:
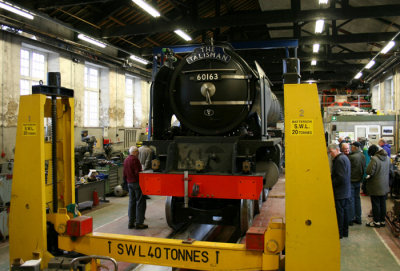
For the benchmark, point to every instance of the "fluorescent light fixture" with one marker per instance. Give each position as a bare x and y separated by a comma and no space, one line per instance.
315,48
149,9
358,75
370,64
91,40
16,10
313,62
183,35
388,47
310,81
319,26
138,59
323,1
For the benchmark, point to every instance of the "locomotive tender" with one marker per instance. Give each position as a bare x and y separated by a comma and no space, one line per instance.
216,165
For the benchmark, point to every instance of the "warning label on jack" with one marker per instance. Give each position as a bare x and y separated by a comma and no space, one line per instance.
29,129
302,127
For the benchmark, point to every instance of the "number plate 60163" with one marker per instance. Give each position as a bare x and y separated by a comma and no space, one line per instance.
208,76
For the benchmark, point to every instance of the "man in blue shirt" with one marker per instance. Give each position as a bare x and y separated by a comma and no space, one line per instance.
382,143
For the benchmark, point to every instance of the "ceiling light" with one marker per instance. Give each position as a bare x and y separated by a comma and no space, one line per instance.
319,26
16,10
370,64
313,62
388,47
183,35
315,48
323,1
138,59
91,40
149,9
358,75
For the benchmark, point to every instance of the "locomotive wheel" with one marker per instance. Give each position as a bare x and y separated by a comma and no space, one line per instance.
246,214
258,203
170,212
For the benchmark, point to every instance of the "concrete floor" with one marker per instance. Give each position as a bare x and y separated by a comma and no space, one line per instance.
364,249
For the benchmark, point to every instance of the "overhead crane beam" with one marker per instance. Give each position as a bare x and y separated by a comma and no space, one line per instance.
257,18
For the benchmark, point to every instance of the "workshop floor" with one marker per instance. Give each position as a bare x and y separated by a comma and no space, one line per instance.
364,249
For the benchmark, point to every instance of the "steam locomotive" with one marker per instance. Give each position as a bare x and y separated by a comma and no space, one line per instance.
217,161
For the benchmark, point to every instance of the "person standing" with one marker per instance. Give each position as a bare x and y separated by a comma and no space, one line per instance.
341,141
378,184
137,203
145,157
345,148
382,143
357,162
340,175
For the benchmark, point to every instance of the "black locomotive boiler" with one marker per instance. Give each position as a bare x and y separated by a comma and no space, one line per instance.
215,162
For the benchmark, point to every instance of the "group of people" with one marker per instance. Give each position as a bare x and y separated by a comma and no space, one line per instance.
349,170
139,159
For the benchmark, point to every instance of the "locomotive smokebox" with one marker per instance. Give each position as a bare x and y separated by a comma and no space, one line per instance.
213,91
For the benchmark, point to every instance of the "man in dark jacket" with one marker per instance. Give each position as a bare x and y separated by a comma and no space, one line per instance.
378,184
340,175
357,161
137,203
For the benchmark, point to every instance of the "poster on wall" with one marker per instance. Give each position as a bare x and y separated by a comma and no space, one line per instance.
389,139
387,130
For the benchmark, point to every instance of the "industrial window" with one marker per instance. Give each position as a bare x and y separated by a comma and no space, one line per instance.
129,84
376,97
33,68
389,99
138,103
91,102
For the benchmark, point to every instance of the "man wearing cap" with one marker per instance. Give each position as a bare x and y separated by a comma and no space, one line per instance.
357,162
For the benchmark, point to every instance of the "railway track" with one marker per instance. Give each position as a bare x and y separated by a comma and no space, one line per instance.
199,232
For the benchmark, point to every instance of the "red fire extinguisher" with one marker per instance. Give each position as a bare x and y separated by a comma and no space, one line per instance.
95,198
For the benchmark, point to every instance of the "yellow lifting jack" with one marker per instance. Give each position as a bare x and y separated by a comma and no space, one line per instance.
40,207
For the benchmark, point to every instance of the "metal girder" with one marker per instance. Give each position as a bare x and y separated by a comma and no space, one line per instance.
257,18
333,77
387,22
276,55
47,4
338,56
348,38
342,76
110,11
332,67
306,67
